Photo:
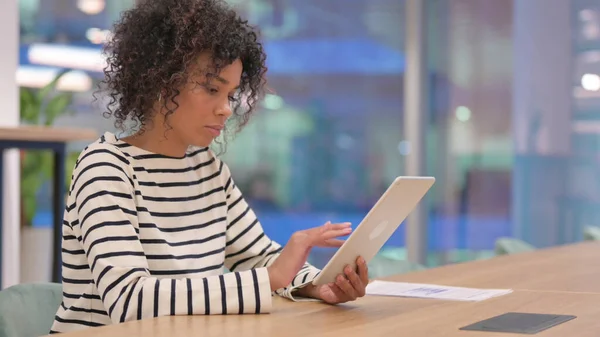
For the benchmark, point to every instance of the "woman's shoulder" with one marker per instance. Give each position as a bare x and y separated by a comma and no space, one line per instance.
104,150
101,161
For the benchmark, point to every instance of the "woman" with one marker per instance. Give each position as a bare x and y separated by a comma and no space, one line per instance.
152,219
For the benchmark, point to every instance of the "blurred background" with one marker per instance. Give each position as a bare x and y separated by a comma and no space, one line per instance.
511,122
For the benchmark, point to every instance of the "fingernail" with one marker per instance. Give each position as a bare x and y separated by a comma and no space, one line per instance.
361,260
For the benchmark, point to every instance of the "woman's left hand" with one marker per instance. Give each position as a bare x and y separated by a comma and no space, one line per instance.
347,287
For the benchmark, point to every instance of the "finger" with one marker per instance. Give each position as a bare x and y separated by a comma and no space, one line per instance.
346,287
334,226
335,233
355,281
328,243
363,270
334,243
339,293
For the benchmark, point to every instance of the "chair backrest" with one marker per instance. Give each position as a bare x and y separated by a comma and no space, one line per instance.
591,233
28,310
381,266
506,246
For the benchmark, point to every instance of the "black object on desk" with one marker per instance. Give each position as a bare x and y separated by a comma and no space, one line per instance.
58,194
516,322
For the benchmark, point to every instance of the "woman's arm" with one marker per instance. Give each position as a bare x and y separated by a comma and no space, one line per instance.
108,232
247,244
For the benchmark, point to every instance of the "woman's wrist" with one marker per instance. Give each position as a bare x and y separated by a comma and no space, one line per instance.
273,279
308,291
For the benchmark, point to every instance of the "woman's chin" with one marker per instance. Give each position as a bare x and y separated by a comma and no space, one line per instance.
202,141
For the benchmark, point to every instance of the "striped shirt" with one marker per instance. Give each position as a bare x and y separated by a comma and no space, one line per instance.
147,235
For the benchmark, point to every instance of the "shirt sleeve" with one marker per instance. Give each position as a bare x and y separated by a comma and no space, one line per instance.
108,228
248,246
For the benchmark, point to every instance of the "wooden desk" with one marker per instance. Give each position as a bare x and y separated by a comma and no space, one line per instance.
372,316
564,279
27,133
45,138
570,268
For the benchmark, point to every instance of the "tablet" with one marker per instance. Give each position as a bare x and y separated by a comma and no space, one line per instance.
401,197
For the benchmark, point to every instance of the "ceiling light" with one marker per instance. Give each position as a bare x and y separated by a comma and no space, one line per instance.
91,7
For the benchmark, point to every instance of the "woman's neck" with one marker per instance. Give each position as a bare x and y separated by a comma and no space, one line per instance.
158,141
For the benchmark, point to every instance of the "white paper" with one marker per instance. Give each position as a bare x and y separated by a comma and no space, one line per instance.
401,289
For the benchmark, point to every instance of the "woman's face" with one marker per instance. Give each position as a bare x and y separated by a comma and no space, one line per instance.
204,104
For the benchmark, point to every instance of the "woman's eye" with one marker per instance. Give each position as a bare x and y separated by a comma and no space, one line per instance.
231,99
209,89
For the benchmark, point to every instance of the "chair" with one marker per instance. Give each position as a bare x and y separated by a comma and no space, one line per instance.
591,233
506,246
28,309
382,266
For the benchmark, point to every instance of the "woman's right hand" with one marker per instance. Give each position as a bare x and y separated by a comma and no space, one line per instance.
296,251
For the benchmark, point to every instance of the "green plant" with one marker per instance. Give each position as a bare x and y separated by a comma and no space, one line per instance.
41,107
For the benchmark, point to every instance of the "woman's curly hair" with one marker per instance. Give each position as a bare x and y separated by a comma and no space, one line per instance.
154,46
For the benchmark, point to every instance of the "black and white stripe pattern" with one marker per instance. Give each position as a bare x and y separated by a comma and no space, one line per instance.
146,235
